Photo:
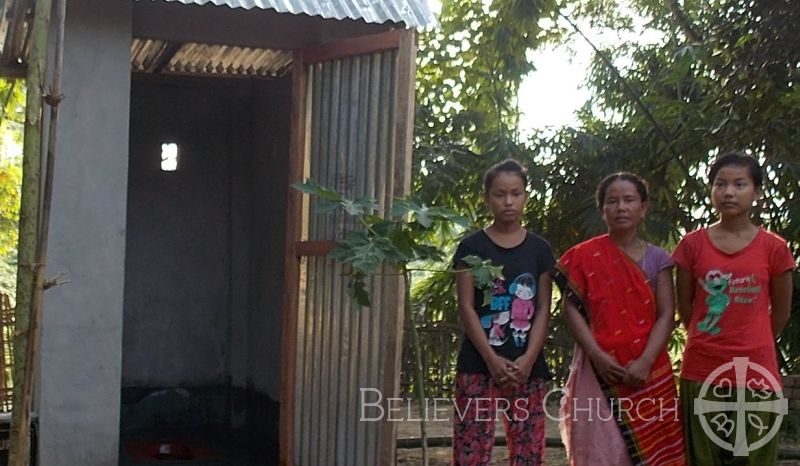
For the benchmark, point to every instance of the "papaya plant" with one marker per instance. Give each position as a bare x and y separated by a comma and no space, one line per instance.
403,240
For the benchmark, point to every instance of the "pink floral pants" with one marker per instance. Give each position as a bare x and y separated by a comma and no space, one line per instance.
479,403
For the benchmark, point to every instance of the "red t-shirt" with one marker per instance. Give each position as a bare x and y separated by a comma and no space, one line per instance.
731,308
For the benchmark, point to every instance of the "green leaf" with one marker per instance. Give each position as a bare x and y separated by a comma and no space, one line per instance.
484,274
309,186
404,242
423,217
427,252
352,207
380,226
426,217
402,207
357,289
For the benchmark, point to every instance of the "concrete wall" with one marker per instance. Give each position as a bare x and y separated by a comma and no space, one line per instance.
202,301
82,321
269,174
178,272
205,243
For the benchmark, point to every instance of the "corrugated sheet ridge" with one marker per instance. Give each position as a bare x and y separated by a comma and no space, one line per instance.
414,13
209,59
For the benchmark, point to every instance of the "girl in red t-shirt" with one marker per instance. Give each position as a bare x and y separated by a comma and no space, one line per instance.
734,288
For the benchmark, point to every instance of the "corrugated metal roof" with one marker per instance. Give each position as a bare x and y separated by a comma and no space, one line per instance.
158,56
414,13
153,56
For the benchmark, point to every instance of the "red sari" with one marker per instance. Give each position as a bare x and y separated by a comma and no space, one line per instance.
612,293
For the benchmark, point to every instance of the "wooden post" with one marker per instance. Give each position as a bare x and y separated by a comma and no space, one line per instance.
294,225
396,298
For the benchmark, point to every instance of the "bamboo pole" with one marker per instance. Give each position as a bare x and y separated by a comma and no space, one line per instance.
29,269
420,373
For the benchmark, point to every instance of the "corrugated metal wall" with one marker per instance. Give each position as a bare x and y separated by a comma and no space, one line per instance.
339,347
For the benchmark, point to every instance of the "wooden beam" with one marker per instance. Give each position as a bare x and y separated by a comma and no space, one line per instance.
357,46
403,132
314,248
291,287
254,27
13,71
166,55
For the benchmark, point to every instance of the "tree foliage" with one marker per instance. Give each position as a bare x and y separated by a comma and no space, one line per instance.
398,240
723,76
12,119
467,111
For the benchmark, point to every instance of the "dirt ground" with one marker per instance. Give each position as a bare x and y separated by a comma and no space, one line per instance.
555,456
442,456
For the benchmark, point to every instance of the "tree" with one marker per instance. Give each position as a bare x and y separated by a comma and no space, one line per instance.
718,75
468,77
469,74
723,76
12,119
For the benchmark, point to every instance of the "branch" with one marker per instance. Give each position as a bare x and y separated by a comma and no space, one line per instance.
6,99
684,22
54,282
669,140
628,89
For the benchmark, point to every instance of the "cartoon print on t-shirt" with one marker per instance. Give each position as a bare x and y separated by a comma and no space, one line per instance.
716,282
510,311
497,334
524,289
497,320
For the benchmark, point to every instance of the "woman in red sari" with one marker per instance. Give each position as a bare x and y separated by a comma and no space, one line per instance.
620,406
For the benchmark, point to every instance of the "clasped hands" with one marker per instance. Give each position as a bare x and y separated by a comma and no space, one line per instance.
634,374
506,373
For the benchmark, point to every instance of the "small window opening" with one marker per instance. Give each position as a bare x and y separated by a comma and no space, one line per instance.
169,157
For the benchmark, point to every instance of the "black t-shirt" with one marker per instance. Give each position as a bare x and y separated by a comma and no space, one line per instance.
507,319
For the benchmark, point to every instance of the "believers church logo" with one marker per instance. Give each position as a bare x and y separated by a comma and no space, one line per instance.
728,409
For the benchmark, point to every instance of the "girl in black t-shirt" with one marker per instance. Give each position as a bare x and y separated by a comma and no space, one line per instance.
501,370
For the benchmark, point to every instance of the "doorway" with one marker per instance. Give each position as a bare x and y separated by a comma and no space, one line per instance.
204,269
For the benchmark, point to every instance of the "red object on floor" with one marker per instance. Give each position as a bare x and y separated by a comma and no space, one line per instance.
155,451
